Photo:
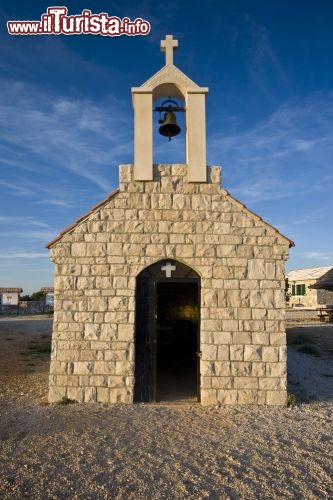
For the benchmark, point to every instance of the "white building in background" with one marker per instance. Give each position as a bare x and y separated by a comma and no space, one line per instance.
9,297
302,295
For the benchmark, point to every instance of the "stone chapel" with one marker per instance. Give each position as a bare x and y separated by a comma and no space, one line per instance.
169,289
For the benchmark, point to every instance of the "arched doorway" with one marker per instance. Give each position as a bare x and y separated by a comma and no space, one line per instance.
167,333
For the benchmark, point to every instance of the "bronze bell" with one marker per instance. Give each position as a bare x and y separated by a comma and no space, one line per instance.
169,126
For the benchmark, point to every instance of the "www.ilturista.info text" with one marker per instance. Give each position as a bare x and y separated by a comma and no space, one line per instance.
57,22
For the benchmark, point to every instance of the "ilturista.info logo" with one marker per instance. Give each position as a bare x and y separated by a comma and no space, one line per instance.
57,22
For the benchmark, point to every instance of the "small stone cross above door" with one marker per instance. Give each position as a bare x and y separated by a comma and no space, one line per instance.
168,268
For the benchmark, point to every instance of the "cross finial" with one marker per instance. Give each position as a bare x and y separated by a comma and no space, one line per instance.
168,46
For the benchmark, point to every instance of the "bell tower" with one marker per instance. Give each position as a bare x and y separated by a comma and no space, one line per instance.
170,82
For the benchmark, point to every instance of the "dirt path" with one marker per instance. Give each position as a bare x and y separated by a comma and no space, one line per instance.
157,452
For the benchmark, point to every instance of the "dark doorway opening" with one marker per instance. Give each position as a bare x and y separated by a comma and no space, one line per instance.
167,342
177,341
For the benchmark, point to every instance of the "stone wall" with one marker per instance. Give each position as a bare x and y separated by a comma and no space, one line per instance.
239,258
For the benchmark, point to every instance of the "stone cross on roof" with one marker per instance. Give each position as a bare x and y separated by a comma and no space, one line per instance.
168,46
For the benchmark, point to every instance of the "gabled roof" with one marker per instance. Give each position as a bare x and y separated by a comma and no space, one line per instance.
313,273
82,218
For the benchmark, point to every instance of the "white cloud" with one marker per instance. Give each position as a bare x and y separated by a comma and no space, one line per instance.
23,255
287,155
48,134
320,256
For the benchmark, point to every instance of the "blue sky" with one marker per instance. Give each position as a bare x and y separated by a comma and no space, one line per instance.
66,117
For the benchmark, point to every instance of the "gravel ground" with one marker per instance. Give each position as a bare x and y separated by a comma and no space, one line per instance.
96,451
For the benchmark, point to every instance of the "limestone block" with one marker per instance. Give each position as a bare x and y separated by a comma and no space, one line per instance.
114,381
278,339
161,201
240,273
222,313
214,175
208,397
247,396
240,368
237,353
116,354
242,313
276,369
279,299
75,393
220,338
98,304
252,353
275,314
209,352
56,393
155,250
123,368
211,325
236,298
113,249
241,338
180,202
104,367
229,325
90,395
260,338
185,251
117,304
68,355
133,249
206,382
79,249
108,330
125,173
179,170
90,237
263,300
222,382
183,227
260,314
271,384
207,368
83,368
270,354
222,368
223,353
100,269
89,355
208,297
227,397
283,354
246,383
197,239
258,369
85,282
126,333
276,398
103,395
201,202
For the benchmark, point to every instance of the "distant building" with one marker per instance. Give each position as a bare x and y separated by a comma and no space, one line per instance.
48,295
9,298
302,283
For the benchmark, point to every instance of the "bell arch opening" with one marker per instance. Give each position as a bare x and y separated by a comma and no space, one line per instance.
167,150
167,333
